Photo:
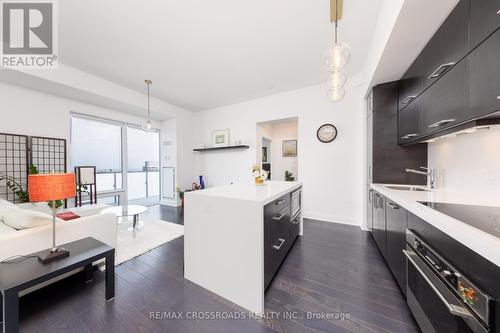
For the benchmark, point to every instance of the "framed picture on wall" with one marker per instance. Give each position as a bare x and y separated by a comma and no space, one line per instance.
264,154
220,137
289,148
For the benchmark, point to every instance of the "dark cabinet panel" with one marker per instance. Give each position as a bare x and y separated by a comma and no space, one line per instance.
484,19
410,122
396,241
445,104
369,210
448,45
389,159
379,228
410,85
485,77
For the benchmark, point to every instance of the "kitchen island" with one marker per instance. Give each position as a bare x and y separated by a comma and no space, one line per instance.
236,236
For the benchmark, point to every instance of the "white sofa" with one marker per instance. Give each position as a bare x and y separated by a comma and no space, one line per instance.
14,242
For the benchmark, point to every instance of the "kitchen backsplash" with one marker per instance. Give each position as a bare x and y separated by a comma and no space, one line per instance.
468,163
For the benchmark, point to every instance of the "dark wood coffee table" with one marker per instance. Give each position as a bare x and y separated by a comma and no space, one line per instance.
21,275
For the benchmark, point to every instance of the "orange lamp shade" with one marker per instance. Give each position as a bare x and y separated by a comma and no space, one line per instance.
53,186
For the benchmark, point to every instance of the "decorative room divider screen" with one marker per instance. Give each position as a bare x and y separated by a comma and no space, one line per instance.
19,152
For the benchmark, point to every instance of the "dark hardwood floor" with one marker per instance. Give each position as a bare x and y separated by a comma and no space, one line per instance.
332,269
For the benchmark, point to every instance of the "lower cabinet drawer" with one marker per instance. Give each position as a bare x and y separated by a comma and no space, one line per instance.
276,224
274,253
277,247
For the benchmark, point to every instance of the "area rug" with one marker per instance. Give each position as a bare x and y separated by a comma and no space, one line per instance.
152,234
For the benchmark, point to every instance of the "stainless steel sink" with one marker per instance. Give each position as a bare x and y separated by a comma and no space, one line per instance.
408,188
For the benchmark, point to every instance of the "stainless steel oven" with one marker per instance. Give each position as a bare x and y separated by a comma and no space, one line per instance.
442,299
296,203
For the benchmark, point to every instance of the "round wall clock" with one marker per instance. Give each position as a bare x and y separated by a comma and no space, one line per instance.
327,133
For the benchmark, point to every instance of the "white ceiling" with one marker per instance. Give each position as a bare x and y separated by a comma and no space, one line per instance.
202,54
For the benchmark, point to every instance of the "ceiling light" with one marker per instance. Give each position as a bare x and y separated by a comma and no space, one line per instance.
337,80
337,56
336,95
148,125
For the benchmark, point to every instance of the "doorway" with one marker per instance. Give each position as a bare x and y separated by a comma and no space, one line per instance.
278,148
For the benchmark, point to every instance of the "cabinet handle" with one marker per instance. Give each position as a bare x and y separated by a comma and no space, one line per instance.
279,202
408,99
408,136
392,205
278,217
278,247
442,122
296,221
440,70
498,97
370,196
498,13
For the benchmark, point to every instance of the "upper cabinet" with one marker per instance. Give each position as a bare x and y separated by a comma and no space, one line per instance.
484,20
410,86
445,104
448,45
456,78
485,77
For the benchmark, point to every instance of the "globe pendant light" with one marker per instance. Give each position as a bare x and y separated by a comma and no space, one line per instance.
148,125
337,58
336,95
337,80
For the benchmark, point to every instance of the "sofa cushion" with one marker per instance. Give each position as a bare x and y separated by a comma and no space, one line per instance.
19,219
5,203
5,229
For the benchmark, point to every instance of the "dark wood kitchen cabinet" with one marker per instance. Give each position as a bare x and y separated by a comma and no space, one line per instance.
448,45
280,232
484,20
410,122
445,103
389,159
396,221
485,77
410,85
379,228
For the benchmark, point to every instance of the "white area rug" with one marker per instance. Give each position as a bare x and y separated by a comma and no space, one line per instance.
152,234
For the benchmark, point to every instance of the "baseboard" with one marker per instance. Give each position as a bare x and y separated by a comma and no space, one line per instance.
330,219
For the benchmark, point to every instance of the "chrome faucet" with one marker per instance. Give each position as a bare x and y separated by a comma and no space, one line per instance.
430,173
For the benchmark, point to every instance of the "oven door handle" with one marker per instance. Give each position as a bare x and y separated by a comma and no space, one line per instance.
455,310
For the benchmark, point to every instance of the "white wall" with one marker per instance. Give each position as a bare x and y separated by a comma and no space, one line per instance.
469,164
30,112
332,173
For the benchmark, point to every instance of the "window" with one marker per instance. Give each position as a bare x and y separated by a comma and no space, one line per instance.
98,143
101,143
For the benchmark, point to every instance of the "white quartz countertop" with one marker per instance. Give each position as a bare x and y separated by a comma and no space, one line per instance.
247,191
477,240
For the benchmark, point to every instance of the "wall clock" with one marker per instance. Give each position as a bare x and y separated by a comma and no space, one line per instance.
327,133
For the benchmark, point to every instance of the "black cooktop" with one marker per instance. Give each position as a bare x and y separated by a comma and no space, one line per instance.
484,218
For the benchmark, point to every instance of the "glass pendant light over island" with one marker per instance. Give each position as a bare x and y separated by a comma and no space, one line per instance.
337,58
148,125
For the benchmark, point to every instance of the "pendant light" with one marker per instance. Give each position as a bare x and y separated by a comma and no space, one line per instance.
337,57
148,126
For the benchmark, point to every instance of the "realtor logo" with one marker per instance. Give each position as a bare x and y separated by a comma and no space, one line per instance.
28,34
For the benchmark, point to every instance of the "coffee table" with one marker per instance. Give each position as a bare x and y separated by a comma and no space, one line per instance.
21,275
127,211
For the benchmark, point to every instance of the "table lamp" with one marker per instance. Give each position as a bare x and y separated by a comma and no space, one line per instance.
52,187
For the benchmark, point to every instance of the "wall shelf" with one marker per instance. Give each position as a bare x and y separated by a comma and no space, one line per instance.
238,147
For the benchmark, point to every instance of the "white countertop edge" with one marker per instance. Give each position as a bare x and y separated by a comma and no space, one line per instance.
475,239
292,187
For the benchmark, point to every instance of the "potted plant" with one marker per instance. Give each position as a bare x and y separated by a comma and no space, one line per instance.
289,176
